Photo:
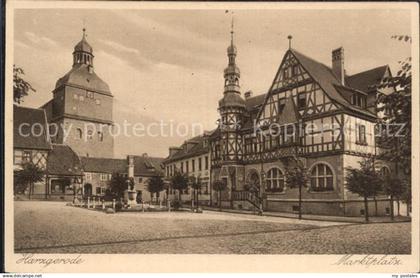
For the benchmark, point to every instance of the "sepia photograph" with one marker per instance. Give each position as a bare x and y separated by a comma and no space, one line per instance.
209,130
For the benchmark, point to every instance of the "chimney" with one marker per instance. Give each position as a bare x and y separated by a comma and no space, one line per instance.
144,155
248,94
130,159
338,64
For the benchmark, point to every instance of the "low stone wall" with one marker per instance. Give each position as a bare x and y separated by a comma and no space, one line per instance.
338,208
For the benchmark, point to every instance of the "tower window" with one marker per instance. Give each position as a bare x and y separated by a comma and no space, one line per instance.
81,98
100,136
76,96
98,102
89,94
79,133
90,134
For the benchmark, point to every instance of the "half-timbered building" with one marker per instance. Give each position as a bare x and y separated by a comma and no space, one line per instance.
313,112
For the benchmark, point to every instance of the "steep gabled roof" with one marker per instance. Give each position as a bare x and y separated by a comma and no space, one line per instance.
62,160
324,76
25,118
364,80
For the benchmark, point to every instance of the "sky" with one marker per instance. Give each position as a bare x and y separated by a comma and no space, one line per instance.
167,65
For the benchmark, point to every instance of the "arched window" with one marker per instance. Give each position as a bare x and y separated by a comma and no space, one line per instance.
275,180
385,172
322,178
79,133
90,134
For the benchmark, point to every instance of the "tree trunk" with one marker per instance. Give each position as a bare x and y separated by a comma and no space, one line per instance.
376,205
220,200
196,199
398,206
30,190
366,209
391,203
300,201
157,197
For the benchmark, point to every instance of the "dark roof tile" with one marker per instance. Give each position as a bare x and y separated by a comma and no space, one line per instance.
24,118
364,81
62,160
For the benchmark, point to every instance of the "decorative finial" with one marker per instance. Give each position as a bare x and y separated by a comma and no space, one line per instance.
231,32
289,37
84,32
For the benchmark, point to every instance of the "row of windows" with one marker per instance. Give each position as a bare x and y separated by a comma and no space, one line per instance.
107,177
252,145
358,100
185,166
89,95
82,58
322,179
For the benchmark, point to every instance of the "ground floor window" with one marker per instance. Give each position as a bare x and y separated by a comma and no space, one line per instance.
100,190
322,178
275,180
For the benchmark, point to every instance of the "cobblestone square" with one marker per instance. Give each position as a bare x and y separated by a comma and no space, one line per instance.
53,227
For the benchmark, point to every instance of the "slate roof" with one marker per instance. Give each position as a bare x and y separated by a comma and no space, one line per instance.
84,46
143,166
197,149
364,80
26,118
232,99
148,166
79,75
63,161
104,165
253,102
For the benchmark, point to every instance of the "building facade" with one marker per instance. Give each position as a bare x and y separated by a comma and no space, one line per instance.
193,159
98,173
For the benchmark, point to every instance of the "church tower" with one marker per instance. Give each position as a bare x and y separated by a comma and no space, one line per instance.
82,107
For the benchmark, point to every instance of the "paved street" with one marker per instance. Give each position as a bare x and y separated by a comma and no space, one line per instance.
52,227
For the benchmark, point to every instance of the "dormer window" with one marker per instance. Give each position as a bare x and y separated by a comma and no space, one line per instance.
358,100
